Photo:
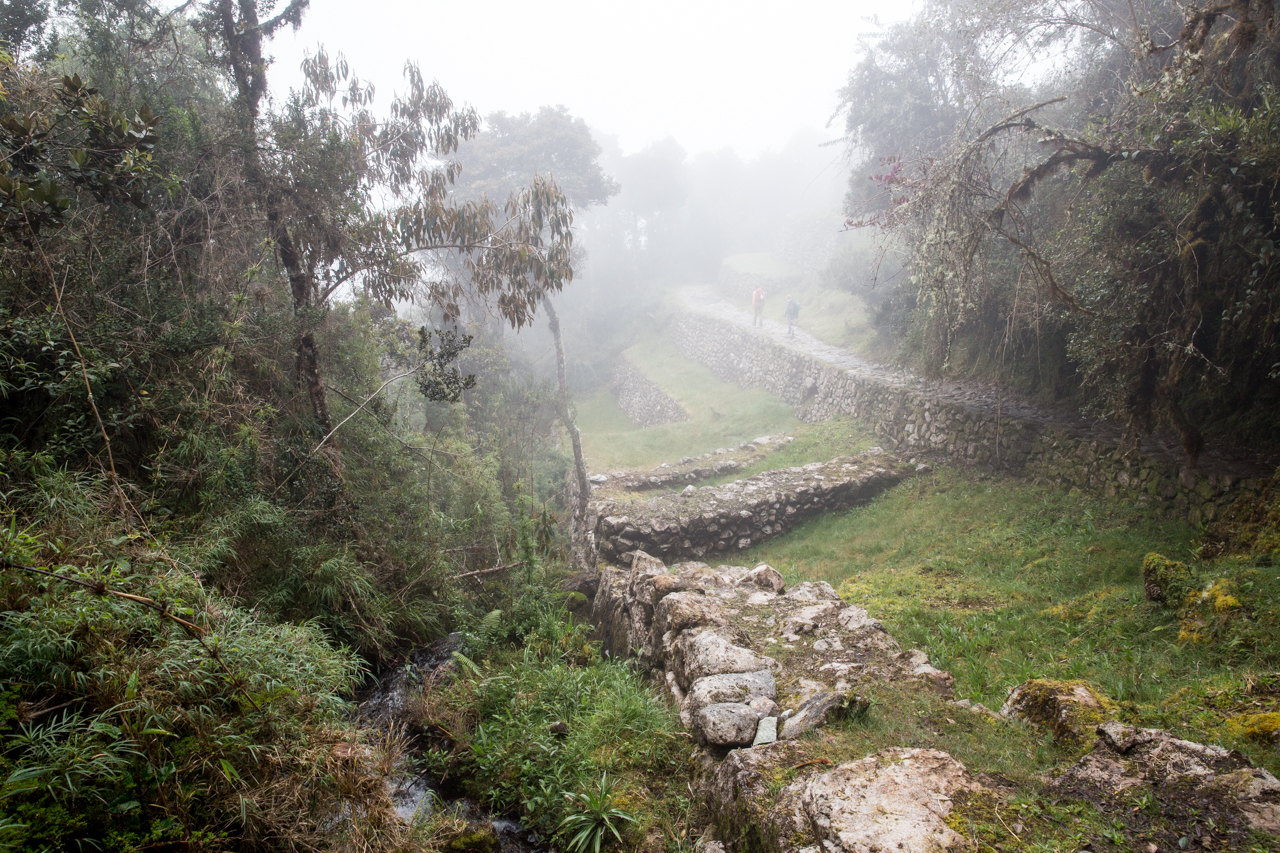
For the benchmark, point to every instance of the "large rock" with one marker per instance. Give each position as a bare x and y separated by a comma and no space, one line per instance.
697,655
894,801
820,709
726,724
1071,710
897,799
683,610
1190,781
766,577
731,687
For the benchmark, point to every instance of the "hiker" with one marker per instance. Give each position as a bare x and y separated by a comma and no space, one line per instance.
757,302
793,311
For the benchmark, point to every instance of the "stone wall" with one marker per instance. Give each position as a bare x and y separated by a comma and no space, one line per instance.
641,399
916,418
719,520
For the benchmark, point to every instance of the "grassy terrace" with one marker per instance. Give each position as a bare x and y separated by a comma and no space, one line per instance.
1001,581
721,414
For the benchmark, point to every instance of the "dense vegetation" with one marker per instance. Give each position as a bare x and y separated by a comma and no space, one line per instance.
226,496
1099,227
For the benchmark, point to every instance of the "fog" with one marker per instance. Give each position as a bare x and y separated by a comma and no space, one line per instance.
711,73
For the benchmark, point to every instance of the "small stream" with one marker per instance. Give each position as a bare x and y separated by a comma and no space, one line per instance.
416,795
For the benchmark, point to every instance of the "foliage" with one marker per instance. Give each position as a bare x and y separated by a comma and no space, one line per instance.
551,730
593,818
514,149
122,730
1116,248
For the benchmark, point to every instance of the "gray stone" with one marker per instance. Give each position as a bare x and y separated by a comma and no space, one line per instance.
821,709
812,591
765,577
766,732
706,653
732,687
726,724
897,799
764,706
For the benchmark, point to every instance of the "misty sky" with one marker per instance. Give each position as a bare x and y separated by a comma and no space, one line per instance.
711,73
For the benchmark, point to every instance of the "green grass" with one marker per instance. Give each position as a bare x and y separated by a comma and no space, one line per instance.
1001,581
818,442
721,414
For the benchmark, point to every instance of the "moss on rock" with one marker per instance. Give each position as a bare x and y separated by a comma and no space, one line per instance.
1166,581
1072,710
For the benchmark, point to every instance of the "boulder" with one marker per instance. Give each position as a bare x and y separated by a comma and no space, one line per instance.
1071,710
726,724
806,619
732,687
812,592
895,800
854,618
683,610
1189,780
766,577
697,655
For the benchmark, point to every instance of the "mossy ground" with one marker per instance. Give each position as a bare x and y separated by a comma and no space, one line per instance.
721,414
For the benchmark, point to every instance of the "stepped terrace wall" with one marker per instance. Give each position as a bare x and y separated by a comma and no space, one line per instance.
918,418
641,399
718,520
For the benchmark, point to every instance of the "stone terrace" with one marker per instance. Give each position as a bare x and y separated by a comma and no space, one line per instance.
722,519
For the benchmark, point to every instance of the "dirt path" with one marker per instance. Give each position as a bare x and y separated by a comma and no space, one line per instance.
979,397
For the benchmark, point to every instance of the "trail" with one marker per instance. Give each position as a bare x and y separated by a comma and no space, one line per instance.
986,398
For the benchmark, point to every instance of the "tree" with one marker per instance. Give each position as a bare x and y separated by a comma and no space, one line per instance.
1131,227
512,150
331,163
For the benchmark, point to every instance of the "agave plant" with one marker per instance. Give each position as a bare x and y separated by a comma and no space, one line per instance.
593,817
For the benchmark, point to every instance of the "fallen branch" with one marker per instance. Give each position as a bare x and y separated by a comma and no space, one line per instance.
478,572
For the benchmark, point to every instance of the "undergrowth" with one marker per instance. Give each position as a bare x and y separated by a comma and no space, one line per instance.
547,730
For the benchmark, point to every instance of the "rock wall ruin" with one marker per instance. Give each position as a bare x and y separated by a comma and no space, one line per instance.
716,520
641,399
917,418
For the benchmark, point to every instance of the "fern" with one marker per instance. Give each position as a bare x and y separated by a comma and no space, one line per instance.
490,628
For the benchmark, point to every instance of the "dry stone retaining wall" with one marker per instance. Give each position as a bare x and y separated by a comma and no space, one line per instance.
723,519
641,399
917,420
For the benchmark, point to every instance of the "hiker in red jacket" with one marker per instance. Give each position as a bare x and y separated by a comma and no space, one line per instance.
757,302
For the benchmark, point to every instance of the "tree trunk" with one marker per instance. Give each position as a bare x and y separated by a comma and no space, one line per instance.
582,555
242,34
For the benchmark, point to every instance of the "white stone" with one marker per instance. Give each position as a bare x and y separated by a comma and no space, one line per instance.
812,591
731,687
855,618
709,653
895,800
766,731
726,724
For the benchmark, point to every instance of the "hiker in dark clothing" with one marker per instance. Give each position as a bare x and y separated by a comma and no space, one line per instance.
793,311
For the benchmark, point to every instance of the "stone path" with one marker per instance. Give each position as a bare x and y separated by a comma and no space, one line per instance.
979,397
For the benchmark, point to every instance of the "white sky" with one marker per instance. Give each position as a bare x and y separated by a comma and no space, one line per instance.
712,73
